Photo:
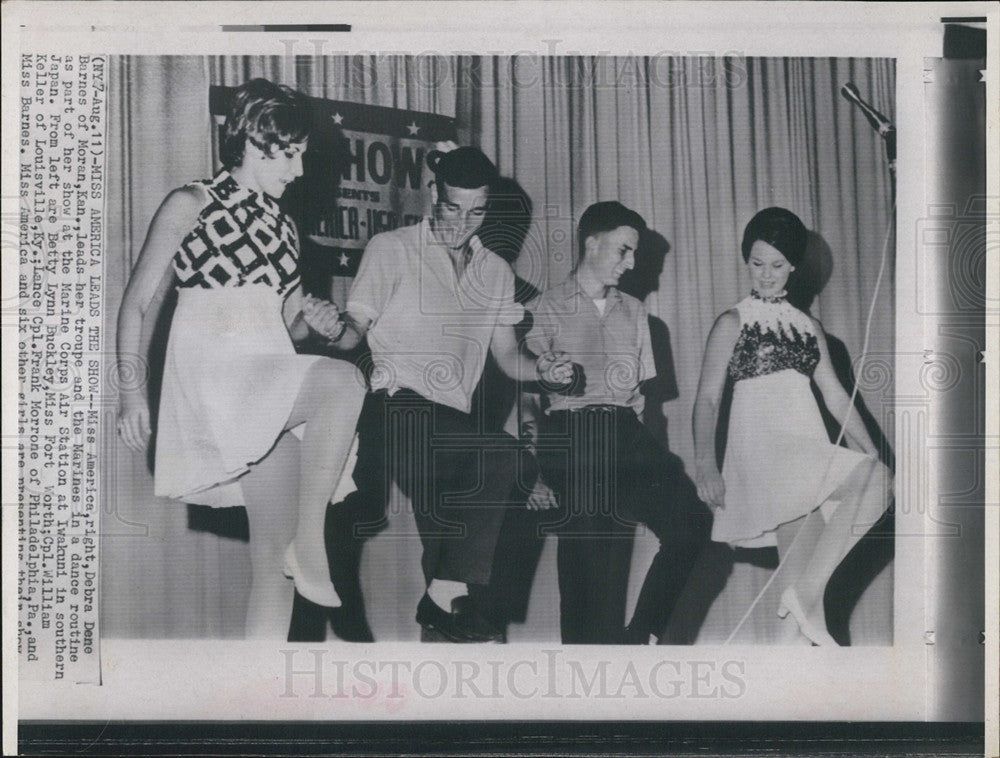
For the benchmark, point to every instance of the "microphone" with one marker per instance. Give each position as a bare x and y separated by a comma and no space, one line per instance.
878,122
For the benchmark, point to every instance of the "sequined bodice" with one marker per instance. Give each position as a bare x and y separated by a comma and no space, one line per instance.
774,336
242,237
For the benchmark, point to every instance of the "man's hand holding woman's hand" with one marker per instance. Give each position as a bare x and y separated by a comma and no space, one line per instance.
557,372
323,317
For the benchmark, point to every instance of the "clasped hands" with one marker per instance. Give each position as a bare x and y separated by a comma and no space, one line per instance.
558,373
323,317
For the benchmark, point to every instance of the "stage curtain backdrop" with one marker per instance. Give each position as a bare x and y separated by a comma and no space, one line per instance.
697,145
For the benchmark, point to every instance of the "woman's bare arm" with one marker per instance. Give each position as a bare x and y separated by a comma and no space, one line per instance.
837,401
718,351
144,294
291,312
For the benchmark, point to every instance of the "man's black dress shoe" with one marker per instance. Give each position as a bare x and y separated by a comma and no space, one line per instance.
463,624
634,635
309,621
349,623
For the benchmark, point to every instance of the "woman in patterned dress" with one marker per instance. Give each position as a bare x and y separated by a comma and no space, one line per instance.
783,482
233,385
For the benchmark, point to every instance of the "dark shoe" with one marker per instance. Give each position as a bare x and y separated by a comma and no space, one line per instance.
349,623
483,598
308,623
634,635
463,624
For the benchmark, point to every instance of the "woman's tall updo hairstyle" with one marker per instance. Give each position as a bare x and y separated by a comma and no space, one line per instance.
271,116
779,228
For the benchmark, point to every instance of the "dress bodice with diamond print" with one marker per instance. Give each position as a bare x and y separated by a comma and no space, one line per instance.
242,237
774,336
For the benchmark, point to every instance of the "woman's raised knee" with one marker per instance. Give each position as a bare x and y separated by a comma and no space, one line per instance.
334,376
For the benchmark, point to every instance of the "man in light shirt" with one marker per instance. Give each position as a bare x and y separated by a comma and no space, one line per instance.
606,468
433,302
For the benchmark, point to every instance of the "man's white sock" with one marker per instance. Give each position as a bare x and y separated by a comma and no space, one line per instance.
443,591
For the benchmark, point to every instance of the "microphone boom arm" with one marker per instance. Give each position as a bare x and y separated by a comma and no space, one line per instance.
878,122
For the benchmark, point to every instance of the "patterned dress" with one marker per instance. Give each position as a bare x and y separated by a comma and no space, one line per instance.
231,373
780,463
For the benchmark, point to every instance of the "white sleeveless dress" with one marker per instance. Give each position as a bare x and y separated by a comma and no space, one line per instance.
780,463
231,373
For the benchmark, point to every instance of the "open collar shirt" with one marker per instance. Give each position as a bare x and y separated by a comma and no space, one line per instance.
431,327
614,348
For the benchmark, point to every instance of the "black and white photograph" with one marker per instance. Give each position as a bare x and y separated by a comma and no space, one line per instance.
485,329
650,373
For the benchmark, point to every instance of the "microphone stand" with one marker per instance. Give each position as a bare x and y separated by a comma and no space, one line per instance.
880,124
890,154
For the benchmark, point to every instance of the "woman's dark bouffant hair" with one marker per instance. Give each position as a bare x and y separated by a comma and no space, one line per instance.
272,116
779,228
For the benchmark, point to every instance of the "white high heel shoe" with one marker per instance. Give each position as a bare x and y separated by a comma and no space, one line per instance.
790,604
324,595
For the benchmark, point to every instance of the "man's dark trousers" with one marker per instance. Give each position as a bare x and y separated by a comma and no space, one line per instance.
458,478
610,473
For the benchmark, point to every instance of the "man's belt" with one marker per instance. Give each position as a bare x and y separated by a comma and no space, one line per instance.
597,408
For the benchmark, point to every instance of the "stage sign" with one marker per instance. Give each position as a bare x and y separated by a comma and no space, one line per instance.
364,173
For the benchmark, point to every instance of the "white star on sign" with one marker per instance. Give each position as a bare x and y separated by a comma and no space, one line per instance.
344,260
337,118
412,128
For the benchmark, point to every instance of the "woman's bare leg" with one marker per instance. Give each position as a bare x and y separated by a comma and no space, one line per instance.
786,534
865,496
796,540
271,490
328,402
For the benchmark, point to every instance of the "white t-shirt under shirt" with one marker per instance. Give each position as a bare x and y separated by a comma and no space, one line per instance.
430,330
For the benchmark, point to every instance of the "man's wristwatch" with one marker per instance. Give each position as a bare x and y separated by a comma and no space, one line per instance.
340,332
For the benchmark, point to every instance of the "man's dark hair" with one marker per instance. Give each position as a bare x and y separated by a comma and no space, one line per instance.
606,217
463,167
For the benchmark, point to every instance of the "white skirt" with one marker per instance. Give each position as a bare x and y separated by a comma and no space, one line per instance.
230,379
780,464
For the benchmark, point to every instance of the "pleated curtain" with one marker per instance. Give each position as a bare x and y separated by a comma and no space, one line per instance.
696,145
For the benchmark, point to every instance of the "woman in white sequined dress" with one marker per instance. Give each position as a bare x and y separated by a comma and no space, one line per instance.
233,385
783,482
